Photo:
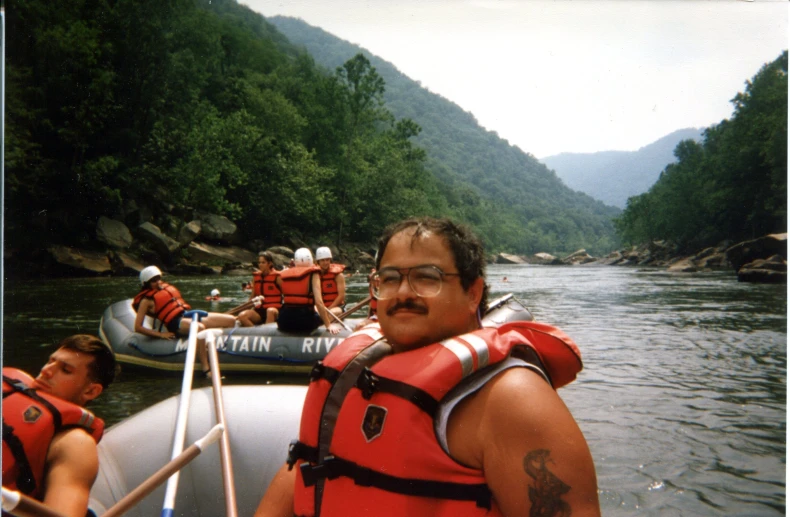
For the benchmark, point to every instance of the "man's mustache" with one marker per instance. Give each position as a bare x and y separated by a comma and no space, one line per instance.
409,305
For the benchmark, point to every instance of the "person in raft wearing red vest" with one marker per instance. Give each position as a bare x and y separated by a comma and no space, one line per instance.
333,283
434,415
301,288
49,439
164,303
265,294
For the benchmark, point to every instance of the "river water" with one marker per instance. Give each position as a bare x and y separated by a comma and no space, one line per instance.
682,399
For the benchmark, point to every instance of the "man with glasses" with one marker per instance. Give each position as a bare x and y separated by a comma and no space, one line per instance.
430,413
49,440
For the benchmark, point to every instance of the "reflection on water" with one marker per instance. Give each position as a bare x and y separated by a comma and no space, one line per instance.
682,398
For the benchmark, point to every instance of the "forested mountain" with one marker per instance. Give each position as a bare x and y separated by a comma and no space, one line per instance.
501,189
733,185
614,176
151,111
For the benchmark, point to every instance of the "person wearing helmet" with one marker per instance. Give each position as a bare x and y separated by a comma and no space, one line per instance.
333,283
164,303
214,296
266,296
301,288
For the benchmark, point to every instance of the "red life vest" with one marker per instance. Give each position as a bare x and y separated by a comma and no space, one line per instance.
368,434
297,287
267,287
329,290
31,419
167,302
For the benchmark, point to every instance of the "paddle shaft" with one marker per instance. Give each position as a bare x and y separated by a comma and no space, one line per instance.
224,444
21,505
181,420
338,319
356,307
241,308
159,477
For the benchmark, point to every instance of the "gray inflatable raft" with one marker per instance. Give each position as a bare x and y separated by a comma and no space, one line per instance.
263,348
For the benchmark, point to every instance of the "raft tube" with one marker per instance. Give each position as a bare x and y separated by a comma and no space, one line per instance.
263,348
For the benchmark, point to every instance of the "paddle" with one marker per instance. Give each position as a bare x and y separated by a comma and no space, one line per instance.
158,477
219,409
20,505
356,307
183,409
241,308
338,319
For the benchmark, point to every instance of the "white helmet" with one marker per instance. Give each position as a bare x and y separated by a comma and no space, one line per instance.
303,258
148,273
215,292
323,253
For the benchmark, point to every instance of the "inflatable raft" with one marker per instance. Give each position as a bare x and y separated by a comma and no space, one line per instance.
261,422
263,348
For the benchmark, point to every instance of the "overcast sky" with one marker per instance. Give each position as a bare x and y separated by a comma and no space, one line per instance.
566,75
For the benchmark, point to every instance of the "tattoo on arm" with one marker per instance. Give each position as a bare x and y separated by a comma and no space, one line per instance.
546,488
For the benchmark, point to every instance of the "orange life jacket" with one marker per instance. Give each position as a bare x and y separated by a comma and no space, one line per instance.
368,435
31,419
167,302
297,287
329,289
267,287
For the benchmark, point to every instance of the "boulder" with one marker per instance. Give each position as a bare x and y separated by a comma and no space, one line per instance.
542,258
506,258
123,264
685,265
113,233
761,248
765,271
163,245
578,257
218,229
78,262
220,256
282,250
189,232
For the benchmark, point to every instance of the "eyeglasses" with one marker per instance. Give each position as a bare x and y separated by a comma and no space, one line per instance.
425,281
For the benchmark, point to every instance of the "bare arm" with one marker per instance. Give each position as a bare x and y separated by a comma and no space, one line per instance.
533,454
319,303
341,291
278,501
72,466
142,311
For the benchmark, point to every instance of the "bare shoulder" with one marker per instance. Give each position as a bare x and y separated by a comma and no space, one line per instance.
73,443
72,467
530,448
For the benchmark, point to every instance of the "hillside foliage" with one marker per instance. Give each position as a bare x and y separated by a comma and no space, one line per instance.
142,110
731,186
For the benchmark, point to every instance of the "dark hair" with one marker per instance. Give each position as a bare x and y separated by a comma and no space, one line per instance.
467,249
267,256
103,369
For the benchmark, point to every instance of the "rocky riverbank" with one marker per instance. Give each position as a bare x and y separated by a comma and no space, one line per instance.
762,260
210,244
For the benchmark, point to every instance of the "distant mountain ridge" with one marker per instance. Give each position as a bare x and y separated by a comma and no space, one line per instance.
523,194
614,176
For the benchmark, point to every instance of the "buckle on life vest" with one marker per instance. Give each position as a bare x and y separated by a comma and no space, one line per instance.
317,372
300,451
368,383
311,474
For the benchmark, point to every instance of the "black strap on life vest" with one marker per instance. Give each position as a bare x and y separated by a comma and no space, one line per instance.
20,387
301,451
333,467
370,383
321,371
25,480
370,355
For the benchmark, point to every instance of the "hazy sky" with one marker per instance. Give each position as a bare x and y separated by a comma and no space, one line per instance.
566,75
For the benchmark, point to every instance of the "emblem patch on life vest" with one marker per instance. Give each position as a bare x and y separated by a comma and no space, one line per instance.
31,414
373,423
